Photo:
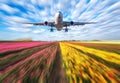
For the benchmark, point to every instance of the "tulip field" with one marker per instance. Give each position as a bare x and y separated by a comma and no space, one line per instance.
59,62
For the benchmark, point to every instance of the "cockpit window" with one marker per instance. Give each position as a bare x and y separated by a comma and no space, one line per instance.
60,12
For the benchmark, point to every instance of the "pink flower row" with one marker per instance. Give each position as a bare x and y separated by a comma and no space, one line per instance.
9,46
44,54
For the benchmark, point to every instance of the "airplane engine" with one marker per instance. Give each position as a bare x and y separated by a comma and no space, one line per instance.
46,23
71,22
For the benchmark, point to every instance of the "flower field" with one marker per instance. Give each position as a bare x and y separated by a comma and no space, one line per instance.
59,62
90,65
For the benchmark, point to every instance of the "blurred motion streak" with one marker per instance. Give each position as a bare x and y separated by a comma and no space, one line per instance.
89,65
59,62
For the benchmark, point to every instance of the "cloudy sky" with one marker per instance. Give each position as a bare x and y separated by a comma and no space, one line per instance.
105,12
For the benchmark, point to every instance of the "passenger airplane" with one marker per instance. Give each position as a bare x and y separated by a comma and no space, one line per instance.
59,23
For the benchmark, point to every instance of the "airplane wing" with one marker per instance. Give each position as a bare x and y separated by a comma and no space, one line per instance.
76,23
52,24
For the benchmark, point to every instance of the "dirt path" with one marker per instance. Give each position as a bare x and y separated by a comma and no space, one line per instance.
57,74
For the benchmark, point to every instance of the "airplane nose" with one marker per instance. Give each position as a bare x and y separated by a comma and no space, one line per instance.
59,14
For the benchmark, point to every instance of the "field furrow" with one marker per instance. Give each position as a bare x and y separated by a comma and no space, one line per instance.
105,55
81,67
14,58
59,62
16,46
34,68
105,47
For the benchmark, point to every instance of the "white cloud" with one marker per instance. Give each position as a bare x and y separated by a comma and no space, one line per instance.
19,29
80,6
114,6
105,12
15,19
38,31
20,2
8,9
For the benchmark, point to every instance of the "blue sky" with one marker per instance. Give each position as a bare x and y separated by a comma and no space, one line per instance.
105,12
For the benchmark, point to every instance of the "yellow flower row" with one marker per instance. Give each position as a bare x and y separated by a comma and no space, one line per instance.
108,56
80,68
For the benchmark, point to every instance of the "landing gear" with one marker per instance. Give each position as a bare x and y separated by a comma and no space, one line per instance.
51,29
66,29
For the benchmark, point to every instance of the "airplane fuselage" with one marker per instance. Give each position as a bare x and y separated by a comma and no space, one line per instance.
59,21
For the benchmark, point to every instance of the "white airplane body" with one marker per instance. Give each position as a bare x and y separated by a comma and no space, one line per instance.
59,23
